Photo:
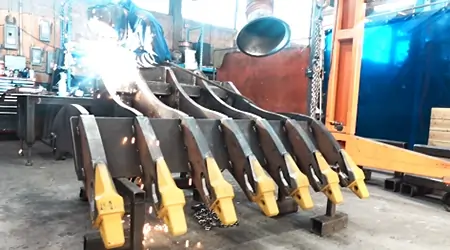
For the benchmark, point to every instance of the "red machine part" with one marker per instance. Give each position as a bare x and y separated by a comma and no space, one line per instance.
276,83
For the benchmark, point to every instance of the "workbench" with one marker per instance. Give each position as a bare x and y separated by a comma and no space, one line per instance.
27,104
8,107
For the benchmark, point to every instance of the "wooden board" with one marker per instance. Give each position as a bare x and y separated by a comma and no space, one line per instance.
439,127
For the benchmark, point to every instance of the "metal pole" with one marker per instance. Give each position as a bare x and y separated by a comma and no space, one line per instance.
69,38
236,11
200,63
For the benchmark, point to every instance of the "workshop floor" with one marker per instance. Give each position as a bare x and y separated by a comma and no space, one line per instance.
39,209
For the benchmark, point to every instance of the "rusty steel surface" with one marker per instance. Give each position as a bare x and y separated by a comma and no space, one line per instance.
276,83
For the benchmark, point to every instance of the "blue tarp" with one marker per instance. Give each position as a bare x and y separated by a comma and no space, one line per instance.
405,72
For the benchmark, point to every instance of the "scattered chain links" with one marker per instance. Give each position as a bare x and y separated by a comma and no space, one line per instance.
207,218
317,65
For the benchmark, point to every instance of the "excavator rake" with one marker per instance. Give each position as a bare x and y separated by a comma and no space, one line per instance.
174,121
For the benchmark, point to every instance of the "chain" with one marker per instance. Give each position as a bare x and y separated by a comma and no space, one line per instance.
317,65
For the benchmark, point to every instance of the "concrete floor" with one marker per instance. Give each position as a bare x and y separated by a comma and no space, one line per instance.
39,209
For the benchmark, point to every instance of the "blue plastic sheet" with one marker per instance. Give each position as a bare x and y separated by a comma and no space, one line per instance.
405,72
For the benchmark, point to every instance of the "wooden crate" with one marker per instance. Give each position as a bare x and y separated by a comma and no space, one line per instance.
439,127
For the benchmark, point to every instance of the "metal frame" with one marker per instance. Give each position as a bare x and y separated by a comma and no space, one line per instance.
26,112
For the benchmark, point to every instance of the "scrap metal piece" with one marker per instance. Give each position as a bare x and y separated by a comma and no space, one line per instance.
107,206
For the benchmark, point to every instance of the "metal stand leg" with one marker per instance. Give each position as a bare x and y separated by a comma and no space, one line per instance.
329,223
29,161
29,106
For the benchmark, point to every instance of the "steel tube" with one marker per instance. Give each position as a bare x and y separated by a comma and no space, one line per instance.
264,34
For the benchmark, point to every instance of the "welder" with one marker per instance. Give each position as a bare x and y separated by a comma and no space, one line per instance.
143,24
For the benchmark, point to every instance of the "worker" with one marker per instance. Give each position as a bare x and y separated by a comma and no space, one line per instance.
152,47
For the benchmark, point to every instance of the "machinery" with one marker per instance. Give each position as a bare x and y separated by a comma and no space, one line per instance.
167,128
176,121
171,129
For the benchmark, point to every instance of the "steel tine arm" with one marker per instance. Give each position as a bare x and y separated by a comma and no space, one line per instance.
350,174
321,176
108,205
293,182
245,168
207,178
166,197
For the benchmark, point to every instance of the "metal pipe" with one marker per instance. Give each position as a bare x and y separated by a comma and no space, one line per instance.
258,8
264,34
21,28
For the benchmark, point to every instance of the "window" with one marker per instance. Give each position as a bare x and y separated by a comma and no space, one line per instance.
161,6
215,12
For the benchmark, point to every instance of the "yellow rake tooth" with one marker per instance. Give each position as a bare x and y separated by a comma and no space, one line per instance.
301,194
223,205
265,189
332,190
110,207
358,186
172,200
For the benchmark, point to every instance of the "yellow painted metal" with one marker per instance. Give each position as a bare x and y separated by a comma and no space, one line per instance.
223,205
332,190
373,154
265,189
172,200
358,186
301,194
110,208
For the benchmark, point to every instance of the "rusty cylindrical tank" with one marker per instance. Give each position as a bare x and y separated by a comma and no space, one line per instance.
264,34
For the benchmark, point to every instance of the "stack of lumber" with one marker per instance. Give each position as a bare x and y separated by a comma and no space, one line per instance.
439,127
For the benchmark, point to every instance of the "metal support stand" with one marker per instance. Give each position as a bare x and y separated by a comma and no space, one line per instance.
329,223
27,118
